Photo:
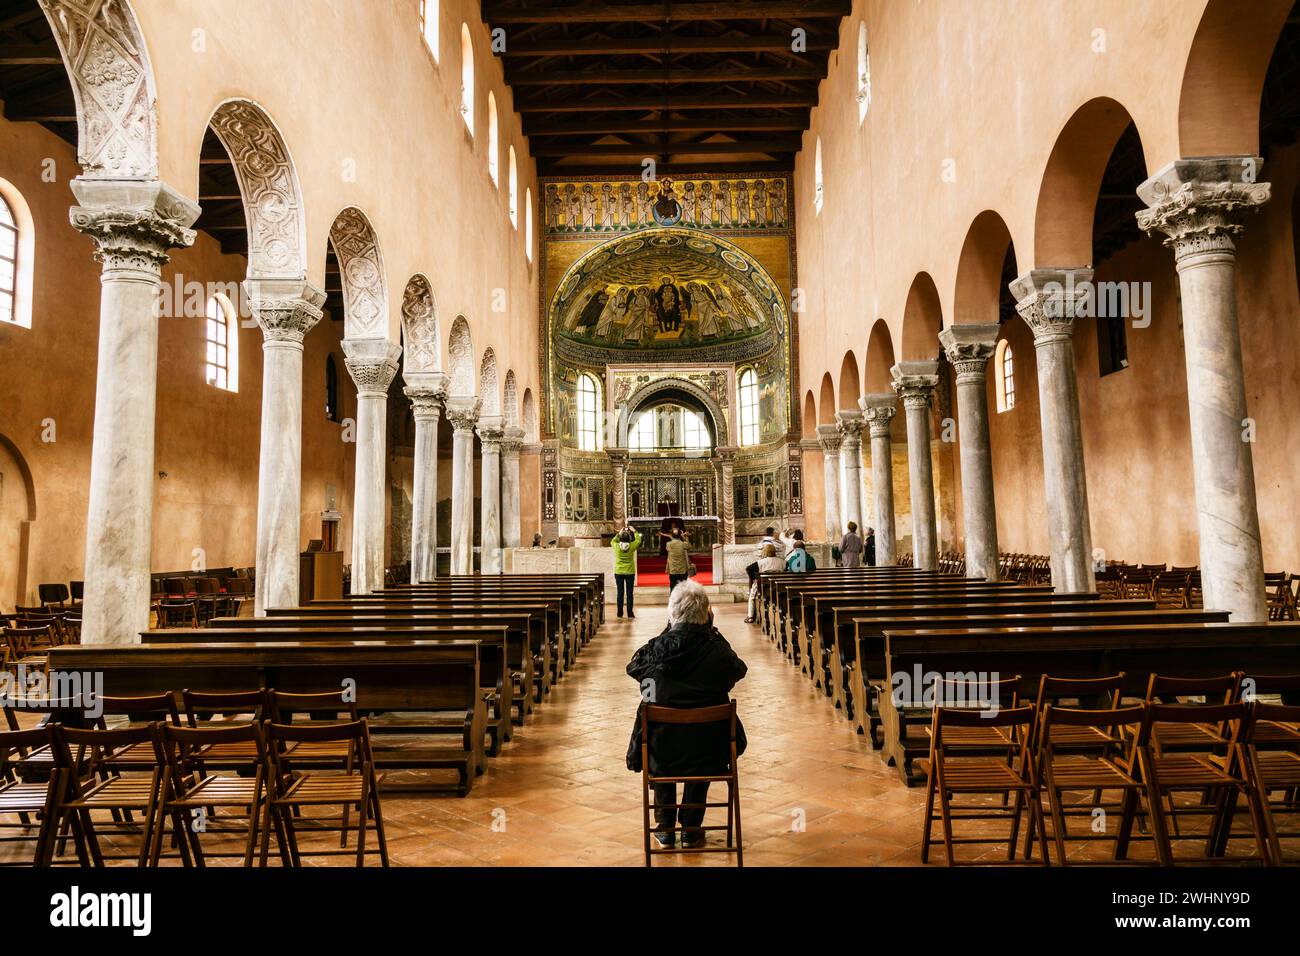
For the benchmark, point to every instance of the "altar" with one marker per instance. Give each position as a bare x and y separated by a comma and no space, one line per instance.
701,532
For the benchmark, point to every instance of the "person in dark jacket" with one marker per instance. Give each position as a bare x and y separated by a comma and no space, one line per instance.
689,665
869,548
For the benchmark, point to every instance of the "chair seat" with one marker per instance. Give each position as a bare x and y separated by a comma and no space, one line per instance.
1180,736
242,752
1279,768
1077,772
972,775
961,738
328,750
134,757
1189,770
1272,733
22,797
221,791
322,788
126,793
1071,736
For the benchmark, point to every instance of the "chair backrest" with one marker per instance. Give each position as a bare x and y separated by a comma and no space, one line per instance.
100,745
16,743
1280,713
179,744
357,756
1054,716
1229,718
716,714
202,705
975,692
1105,691
78,589
1252,685
52,593
176,587
22,640
204,586
1227,688
146,708
973,717
286,704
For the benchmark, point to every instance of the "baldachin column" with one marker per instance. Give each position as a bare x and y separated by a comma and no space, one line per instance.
1049,300
426,392
618,464
133,224
1199,205
915,382
727,477
372,363
828,436
490,433
969,348
463,415
879,410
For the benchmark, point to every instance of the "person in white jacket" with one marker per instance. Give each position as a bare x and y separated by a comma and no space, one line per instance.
770,561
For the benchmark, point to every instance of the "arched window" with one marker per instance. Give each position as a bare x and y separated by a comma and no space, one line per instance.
1005,376
429,25
641,436
512,189
331,389
817,177
528,223
747,406
8,263
695,434
221,344
493,146
588,414
467,78
864,74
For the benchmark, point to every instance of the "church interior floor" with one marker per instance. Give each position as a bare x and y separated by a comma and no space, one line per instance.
813,793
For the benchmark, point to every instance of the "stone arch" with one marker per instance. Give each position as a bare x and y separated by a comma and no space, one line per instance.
880,359
850,383
268,185
489,386
529,413
1218,105
460,355
1067,195
510,400
826,406
979,286
361,270
421,336
809,415
922,319
26,513
104,52
679,389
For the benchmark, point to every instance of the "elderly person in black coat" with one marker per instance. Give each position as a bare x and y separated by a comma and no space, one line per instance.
689,665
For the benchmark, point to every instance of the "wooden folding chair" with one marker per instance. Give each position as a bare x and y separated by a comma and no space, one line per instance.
1191,735
351,783
700,717
29,801
968,758
1276,775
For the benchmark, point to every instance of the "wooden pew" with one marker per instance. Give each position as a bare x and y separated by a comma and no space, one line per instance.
526,638
582,595
430,678
1082,650
773,586
494,670
862,675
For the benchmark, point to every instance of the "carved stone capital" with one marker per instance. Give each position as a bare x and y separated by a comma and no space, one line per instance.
1199,204
879,411
462,412
915,382
512,442
491,429
828,436
851,425
286,309
372,363
969,348
1049,300
426,402
132,223
726,456
618,457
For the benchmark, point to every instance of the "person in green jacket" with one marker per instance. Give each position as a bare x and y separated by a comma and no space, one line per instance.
625,545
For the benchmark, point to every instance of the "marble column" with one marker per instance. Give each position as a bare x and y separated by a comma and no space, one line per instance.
969,348
462,412
879,410
1199,205
286,310
618,464
372,363
490,433
1049,300
726,458
915,381
510,488
426,392
851,424
132,224
828,436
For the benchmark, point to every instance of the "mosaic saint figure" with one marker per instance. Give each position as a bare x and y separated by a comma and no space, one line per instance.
553,216
688,204
571,206
777,218
606,207
638,316
724,203
615,309
708,215
742,203
761,214
625,205
587,203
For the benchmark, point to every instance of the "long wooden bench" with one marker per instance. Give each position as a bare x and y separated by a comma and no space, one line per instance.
774,587
393,677
526,637
1083,650
583,595
495,678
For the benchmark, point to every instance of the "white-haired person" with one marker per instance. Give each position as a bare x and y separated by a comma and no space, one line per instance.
690,664
767,564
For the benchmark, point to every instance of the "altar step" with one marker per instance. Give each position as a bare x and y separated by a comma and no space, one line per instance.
658,596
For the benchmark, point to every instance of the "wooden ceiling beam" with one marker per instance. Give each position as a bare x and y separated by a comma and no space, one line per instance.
499,13
732,74
729,101
29,54
635,150
578,45
698,123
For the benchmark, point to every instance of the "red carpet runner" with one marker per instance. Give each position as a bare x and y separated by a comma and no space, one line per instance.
650,571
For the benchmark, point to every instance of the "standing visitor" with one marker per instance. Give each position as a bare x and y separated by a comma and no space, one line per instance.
625,544
869,548
851,548
679,562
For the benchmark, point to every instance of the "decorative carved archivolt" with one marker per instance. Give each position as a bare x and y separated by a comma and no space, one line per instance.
105,58
460,354
511,408
487,384
420,321
365,294
272,201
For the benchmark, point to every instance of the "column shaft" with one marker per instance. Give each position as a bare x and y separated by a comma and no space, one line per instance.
879,410
915,381
850,425
426,402
969,348
463,415
510,488
829,438
372,364
490,434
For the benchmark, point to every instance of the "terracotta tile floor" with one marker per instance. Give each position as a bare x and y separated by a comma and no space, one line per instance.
813,793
